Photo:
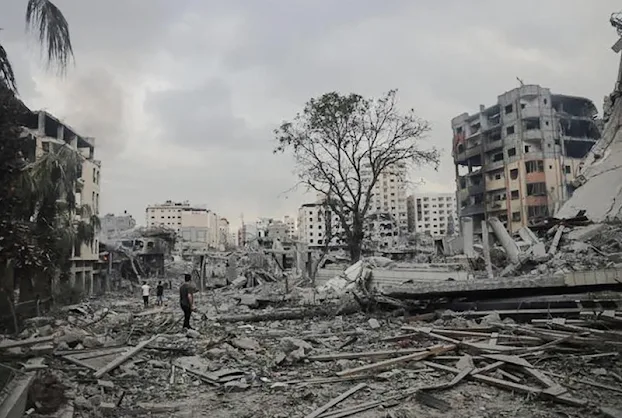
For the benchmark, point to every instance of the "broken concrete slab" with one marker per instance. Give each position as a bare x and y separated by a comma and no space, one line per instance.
14,404
373,323
245,344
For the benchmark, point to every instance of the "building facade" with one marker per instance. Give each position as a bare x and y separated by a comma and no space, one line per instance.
516,160
48,132
433,213
317,223
112,225
198,228
167,214
389,193
290,223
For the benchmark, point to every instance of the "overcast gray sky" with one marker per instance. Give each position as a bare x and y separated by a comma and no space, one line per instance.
182,96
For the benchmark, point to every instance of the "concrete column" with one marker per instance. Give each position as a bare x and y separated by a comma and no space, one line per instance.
510,247
486,246
60,132
467,236
41,123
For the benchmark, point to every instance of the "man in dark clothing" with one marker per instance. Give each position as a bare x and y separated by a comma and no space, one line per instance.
186,300
159,294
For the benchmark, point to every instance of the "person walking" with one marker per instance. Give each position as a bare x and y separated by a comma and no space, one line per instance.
146,288
186,300
159,294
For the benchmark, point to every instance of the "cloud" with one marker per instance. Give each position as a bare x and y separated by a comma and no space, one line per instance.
182,96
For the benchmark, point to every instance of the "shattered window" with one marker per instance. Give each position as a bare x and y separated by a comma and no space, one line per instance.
534,166
536,189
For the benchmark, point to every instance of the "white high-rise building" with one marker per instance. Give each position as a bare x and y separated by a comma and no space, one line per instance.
192,223
315,222
389,193
290,222
434,213
166,214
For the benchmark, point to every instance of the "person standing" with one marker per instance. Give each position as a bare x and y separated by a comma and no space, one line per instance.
159,294
146,288
186,300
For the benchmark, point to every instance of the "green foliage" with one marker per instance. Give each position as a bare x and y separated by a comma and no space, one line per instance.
17,244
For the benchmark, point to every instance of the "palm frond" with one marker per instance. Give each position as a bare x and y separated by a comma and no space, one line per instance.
43,17
6,71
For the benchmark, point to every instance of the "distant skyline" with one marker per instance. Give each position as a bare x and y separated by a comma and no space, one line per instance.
182,97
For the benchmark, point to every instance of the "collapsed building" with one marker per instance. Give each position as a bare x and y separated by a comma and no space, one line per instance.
517,160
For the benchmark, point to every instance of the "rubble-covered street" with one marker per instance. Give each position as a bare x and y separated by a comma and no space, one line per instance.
111,357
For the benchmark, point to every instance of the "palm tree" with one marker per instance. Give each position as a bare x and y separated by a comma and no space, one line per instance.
61,224
48,23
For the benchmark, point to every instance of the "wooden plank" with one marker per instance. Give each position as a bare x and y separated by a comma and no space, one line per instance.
79,362
541,377
518,361
489,367
346,412
319,411
29,341
365,354
506,385
125,357
509,376
566,399
432,351
100,353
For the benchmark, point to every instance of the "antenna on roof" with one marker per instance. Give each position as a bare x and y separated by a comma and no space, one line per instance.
520,81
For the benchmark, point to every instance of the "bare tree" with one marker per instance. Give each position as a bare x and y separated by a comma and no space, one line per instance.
342,144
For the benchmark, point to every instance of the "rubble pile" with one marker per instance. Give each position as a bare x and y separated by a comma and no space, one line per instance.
111,357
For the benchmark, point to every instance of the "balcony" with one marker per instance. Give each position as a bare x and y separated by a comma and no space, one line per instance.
532,134
471,210
468,153
492,145
499,205
530,112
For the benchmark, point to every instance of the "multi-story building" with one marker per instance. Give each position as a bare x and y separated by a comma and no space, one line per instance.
112,224
433,213
316,222
198,227
48,132
516,159
389,193
224,237
290,223
166,214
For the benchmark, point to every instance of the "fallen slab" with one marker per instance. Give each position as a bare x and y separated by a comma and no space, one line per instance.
123,358
14,404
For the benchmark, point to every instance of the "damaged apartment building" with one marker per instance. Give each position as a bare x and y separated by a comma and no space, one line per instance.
198,228
46,132
386,221
517,159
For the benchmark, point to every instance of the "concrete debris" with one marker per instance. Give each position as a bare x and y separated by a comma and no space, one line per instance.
373,323
154,368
